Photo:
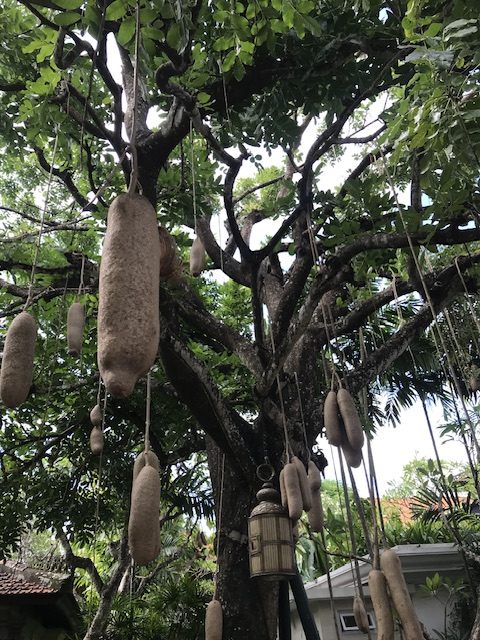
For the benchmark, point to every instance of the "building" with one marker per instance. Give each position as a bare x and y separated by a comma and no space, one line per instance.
419,561
36,605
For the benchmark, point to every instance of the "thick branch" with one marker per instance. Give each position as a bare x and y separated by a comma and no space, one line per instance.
79,562
445,287
64,176
220,421
194,311
220,259
100,620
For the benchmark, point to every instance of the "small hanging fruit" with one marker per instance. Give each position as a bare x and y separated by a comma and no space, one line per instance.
96,416
170,264
304,485
197,257
360,615
292,491
96,441
75,325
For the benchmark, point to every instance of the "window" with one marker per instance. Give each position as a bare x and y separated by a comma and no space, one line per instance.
347,622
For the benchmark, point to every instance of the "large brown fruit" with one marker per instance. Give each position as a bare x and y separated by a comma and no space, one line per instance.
145,458
128,312
170,264
392,570
381,605
197,257
351,420
333,429
143,525
360,614
314,476
353,457
96,416
75,324
315,515
293,492
96,441
16,373
304,484
214,621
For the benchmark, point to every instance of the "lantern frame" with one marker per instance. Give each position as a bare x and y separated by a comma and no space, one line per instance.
270,538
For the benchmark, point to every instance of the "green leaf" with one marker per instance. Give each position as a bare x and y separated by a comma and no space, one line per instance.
313,26
203,98
69,4
152,33
116,10
229,61
174,36
288,13
241,26
238,69
66,19
223,43
433,30
126,31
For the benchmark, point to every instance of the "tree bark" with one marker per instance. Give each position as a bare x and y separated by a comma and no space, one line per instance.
249,605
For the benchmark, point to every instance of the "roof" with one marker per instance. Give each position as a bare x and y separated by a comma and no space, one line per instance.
50,593
17,579
11,585
418,562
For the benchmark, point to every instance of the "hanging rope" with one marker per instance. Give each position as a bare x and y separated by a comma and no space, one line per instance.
219,527
133,135
329,579
81,284
304,429
358,588
42,224
194,188
99,479
342,507
288,448
147,411
368,475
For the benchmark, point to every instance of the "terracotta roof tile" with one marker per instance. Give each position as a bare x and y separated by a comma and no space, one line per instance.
14,585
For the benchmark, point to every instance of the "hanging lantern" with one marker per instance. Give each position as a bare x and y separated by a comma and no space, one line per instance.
270,539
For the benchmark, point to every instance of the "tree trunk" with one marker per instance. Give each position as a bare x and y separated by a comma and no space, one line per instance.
475,633
249,605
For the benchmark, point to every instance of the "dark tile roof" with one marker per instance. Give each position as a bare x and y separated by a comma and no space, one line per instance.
12,584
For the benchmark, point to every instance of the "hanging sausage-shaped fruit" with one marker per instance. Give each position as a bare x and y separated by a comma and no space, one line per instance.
75,325
16,374
197,257
128,310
